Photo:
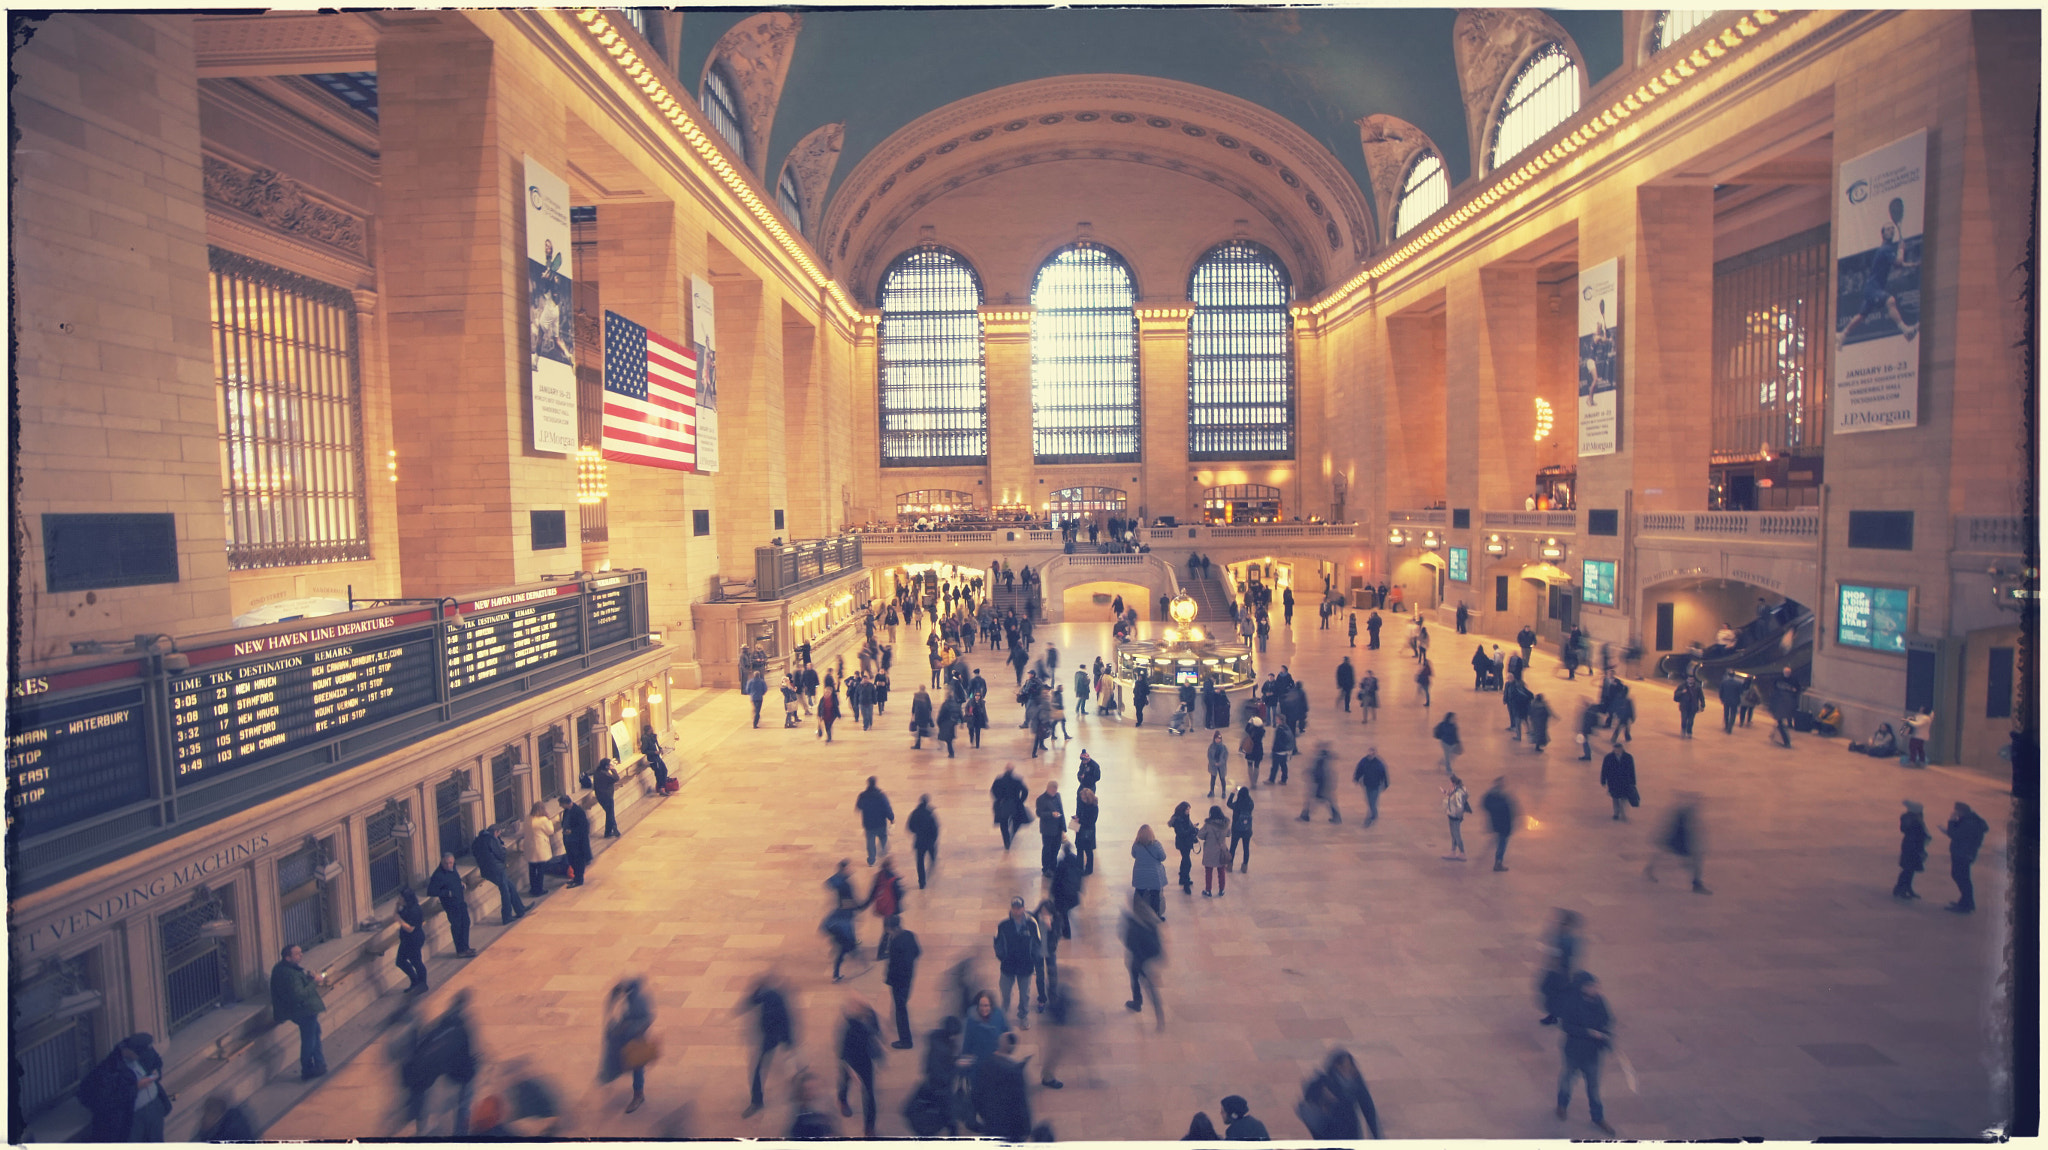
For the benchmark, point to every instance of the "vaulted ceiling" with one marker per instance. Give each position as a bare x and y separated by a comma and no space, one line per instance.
879,70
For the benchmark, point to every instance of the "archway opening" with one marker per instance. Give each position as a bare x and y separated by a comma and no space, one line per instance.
1241,503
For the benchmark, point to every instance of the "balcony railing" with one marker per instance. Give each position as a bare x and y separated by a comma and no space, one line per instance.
1763,526
1431,517
1187,533
1550,521
1996,534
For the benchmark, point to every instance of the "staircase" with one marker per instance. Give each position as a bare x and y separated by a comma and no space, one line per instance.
1009,599
1213,600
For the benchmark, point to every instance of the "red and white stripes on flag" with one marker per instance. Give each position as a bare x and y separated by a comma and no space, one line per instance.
650,397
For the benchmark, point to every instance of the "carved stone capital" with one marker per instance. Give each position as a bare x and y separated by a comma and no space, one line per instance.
281,204
813,160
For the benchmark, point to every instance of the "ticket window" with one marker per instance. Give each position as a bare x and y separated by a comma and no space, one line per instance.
59,1029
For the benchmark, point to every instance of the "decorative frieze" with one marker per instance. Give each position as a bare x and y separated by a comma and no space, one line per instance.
281,204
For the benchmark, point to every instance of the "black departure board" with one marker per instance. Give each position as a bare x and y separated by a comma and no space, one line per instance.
611,611
72,758
231,714
505,638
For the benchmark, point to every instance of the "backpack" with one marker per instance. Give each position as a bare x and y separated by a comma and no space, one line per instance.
1456,804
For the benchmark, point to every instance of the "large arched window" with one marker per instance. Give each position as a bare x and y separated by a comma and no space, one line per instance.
789,197
1545,93
1240,356
1423,193
1084,358
934,388
723,110
1673,24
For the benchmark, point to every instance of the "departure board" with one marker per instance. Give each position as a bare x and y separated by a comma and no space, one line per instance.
508,636
231,715
611,611
70,759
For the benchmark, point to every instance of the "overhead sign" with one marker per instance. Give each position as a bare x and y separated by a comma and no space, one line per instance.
1880,201
704,336
1461,564
551,311
1599,582
1599,358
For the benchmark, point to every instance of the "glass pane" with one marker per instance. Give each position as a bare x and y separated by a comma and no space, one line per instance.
1084,358
934,386
1240,357
1544,95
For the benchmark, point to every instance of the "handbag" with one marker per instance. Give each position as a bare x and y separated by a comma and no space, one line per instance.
640,1052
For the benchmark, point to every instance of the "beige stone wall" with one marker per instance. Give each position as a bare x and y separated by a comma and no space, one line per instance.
114,373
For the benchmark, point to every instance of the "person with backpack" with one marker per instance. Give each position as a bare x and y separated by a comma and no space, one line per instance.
1618,775
1241,807
1457,804
1730,690
1965,830
1252,745
1446,735
885,898
1019,946
1284,744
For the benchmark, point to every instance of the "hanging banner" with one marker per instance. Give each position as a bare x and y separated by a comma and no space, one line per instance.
551,313
1877,287
704,335
1599,357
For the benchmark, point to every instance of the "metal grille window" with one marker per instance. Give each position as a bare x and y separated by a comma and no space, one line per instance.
1423,193
789,197
291,430
451,828
198,970
302,896
1544,94
1770,320
1084,358
637,17
1673,24
389,868
548,752
56,1016
934,390
723,111
1240,356
504,791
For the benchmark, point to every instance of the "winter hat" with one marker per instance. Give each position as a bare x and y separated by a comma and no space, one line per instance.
1916,808
1017,902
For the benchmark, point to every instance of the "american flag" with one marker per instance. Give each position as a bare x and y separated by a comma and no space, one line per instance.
650,397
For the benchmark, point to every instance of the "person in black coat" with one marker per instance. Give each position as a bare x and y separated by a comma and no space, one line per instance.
222,1121
650,749
924,836
1913,839
1239,1125
1052,825
446,884
860,1045
901,973
1371,773
604,783
489,854
1618,775
1002,1100
1141,694
1347,679
1965,830
575,839
1006,797
1086,812
1500,816
1730,690
114,1093
1588,1032
1184,835
1088,775
773,1029
1333,1101
412,939
875,816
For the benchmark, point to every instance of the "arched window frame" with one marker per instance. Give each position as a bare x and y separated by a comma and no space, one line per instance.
1241,394
722,108
1425,191
1543,94
932,375
789,197
1675,24
1085,384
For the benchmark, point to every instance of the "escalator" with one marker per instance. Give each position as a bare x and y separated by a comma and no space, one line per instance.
1758,653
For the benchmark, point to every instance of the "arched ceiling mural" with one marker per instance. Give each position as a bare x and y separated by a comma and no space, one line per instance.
1323,70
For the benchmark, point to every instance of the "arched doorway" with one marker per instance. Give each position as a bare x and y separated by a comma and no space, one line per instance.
1088,504
1241,503
1551,603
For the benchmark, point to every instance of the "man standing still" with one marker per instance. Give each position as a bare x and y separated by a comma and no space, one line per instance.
446,885
1965,831
489,854
1371,774
1500,816
295,998
1017,946
902,972
1347,679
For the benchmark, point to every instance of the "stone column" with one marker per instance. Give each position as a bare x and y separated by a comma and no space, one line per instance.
751,480
1164,485
1508,385
1668,381
1006,341
806,432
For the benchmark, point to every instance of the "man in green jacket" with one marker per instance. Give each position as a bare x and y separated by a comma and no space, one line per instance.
295,997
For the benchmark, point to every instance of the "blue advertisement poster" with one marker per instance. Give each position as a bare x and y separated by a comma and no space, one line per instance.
1599,581
1873,618
1461,564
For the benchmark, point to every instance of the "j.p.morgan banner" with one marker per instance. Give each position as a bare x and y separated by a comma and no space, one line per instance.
1877,287
551,313
1599,357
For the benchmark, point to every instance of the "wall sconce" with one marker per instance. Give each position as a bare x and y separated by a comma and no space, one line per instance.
1551,550
1545,417
1494,545
401,826
1397,537
469,794
591,485
391,464
1429,539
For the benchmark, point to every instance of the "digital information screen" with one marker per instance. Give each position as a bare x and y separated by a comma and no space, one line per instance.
1461,565
1599,579
1872,617
232,715
611,611
70,759
509,635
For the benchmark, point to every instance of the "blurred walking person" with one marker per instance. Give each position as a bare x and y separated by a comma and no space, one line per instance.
1500,817
1142,947
773,1031
924,837
860,1045
1588,1032
1685,839
627,1049
901,973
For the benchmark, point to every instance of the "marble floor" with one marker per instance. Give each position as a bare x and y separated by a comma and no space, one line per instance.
1798,1000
